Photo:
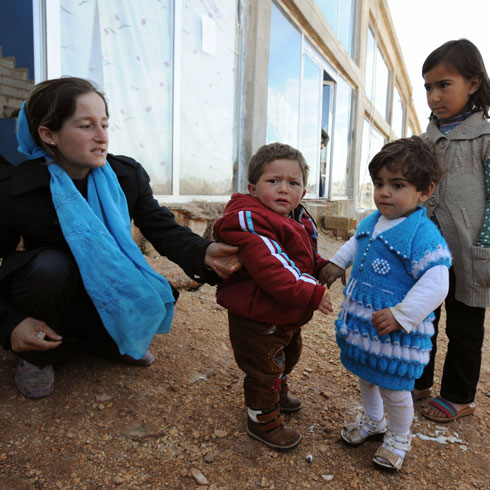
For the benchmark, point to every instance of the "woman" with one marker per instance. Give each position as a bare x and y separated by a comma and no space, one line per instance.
80,276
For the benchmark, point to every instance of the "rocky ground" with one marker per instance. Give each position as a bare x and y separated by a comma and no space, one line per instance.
179,424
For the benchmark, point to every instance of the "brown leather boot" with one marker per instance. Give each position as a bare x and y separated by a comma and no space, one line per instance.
287,401
271,431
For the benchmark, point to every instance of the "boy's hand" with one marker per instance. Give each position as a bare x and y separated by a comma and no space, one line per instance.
330,273
384,321
325,305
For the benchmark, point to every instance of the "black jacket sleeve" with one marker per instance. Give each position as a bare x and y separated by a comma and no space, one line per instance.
180,244
10,317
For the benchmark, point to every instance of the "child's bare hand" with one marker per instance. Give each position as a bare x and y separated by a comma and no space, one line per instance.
325,305
384,321
330,273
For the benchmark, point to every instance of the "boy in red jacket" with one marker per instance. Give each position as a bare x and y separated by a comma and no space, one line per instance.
276,292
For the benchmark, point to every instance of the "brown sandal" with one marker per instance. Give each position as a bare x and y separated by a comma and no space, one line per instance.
448,409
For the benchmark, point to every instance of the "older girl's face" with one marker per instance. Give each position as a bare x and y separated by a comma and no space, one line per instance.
448,92
82,140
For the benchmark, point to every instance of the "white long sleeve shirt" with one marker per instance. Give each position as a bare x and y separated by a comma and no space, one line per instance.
426,294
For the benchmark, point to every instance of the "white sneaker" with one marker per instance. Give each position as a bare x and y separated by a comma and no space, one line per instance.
392,453
147,360
364,427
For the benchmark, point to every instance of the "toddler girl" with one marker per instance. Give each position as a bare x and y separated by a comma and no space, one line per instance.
399,276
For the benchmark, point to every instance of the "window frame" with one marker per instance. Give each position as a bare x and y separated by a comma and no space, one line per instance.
47,43
308,47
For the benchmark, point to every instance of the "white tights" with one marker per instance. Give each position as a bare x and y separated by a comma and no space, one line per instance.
399,406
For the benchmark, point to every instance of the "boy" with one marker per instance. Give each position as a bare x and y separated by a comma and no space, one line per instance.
400,269
276,292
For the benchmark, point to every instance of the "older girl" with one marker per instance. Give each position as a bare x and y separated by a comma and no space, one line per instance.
458,95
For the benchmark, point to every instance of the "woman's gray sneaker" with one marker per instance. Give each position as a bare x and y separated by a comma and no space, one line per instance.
33,381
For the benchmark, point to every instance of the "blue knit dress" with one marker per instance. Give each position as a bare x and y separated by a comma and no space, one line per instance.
384,270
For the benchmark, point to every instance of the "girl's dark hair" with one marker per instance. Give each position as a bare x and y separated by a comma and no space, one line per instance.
52,102
414,157
465,57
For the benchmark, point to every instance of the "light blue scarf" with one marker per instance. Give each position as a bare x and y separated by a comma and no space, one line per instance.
133,301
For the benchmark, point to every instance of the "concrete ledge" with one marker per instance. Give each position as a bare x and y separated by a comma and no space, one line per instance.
341,226
201,216
198,216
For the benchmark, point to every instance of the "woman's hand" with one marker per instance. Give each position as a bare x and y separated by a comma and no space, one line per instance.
30,333
223,259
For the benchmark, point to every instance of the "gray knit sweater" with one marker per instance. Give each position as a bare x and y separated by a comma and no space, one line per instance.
459,203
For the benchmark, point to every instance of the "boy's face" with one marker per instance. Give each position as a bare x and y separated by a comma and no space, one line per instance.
395,196
280,187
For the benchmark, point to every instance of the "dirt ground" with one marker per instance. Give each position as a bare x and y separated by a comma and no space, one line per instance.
180,424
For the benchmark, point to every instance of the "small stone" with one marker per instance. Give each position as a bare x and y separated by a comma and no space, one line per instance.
118,480
101,406
103,397
209,458
220,433
199,478
309,458
327,477
323,448
140,431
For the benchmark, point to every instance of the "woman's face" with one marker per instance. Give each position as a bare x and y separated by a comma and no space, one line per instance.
82,140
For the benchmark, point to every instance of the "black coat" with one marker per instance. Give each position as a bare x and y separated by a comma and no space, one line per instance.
27,211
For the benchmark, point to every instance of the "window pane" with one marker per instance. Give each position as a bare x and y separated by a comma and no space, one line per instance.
340,16
381,84
346,24
341,139
397,122
284,74
370,57
330,10
310,120
376,75
328,91
126,49
208,97
372,142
